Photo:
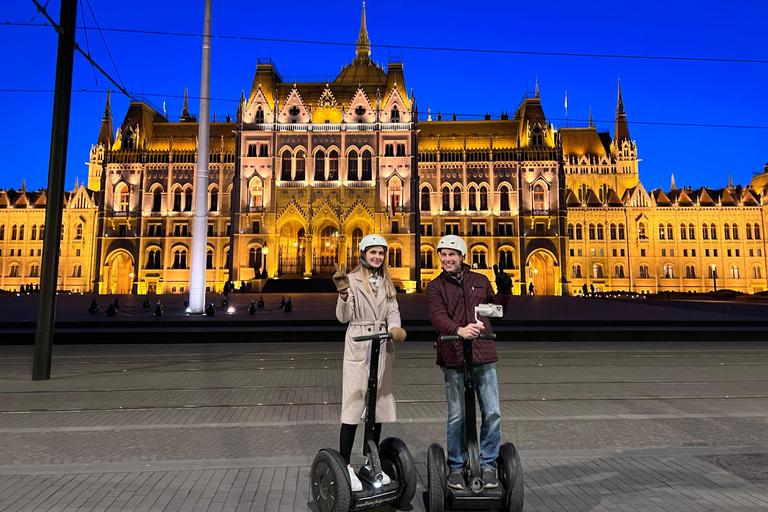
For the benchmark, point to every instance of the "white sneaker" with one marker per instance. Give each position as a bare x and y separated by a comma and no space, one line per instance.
385,479
357,486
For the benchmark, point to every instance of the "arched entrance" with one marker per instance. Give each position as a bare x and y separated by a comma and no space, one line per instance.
120,273
326,250
540,270
292,243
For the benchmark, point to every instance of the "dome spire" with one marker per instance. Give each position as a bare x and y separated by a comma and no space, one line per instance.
363,44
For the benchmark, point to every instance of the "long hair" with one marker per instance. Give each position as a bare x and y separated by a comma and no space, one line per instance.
364,268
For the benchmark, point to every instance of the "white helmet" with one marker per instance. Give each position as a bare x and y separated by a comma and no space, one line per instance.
371,241
453,242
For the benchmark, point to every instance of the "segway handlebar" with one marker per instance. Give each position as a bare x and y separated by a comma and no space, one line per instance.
378,336
454,337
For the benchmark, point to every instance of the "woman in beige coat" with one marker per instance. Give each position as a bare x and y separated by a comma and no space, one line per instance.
367,300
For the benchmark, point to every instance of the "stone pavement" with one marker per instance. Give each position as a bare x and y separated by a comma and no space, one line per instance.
629,426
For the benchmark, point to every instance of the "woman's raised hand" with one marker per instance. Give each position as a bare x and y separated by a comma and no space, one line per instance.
340,278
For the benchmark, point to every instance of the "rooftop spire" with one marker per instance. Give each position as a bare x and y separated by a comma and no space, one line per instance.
730,180
590,117
620,103
673,182
363,44
108,108
537,87
185,109
621,131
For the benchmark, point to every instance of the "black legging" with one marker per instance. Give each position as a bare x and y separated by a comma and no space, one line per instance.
347,438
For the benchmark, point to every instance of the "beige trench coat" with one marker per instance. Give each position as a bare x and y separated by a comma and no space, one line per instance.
366,315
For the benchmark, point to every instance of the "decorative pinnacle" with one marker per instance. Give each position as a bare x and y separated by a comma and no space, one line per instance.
363,43
108,108
620,103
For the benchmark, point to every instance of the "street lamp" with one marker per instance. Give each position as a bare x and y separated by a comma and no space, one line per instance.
265,252
714,278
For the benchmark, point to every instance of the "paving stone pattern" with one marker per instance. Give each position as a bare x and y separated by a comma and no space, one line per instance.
600,427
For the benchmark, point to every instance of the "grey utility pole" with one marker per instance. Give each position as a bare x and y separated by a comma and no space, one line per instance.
200,228
46,307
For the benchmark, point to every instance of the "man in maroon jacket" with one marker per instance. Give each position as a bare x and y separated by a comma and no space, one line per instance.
451,300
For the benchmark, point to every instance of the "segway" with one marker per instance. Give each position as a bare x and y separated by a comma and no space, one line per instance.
331,487
508,496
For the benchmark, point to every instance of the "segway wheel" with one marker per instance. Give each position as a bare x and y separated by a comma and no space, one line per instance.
330,482
436,477
395,457
511,473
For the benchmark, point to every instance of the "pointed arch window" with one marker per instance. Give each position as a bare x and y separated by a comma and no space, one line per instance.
188,200
394,115
683,232
357,236
395,194
34,270
670,232
570,231
734,269
576,271
209,259
578,232
34,232
333,165
259,115
713,231
483,198
79,232
727,231
285,171
757,272
661,232
153,259
177,200
690,272
612,229
691,232
507,257
618,271
669,272
320,165
14,232
21,232
301,161
425,200
2,232
591,231
621,231
504,199
457,198
472,199
599,231
395,257
352,173
735,231
427,258
157,198
213,200
641,234
597,271
538,197
446,199
180,259
757,231
367,166
748,230
704,232
256,193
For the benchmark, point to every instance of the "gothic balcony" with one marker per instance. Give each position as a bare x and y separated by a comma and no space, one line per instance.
291,184
256,209
326,184
359,184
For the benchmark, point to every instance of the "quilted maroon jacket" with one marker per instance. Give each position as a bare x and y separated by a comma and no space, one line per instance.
452,305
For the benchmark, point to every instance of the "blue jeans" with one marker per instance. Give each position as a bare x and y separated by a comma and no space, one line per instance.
487,389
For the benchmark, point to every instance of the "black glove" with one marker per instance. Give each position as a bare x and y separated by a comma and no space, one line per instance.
503,281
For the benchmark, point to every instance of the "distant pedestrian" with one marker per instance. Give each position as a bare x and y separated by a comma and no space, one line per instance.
226,289
592,289
584,289
242,286
531,290
37,288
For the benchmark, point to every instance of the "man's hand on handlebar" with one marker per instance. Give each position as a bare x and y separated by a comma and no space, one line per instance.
470,331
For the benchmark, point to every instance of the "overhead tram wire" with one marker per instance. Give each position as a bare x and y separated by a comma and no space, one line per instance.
421,48
476,116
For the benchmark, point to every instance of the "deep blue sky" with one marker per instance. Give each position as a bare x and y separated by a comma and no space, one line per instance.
472,83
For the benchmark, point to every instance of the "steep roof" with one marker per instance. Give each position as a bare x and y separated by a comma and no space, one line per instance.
584,141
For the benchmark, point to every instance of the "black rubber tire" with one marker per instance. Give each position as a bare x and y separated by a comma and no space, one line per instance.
436,477
329,482
395,456
511,475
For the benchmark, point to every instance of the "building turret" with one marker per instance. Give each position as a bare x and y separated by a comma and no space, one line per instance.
621,132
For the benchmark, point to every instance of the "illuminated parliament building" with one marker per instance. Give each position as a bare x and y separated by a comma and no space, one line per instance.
306,169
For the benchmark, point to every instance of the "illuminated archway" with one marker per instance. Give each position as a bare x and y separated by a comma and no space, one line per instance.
541,271
120,273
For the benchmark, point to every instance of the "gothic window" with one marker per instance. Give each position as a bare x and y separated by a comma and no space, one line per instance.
21,232
2,232
670,232
661,231
734,271
576,271
704,232
641,231
621,231
446,199
668,272
301,174
507,257
320,166
256,191
713,231
394,115
209,259
613,231
591,231
352,171
538,197
188,200
333,165
77,271
425,206
180,259
597,271
691,232
395,193
214,199
726,231
34,270
504,198
14,271
457,198
367,167
479,258
644,274
711,271
294,110
157,198
401,150
14,232
253,150
757,272
599,231
427,258
260,115
578,232
618,271
690,272
34,232
472,199
757,231
735,231
395,258
389,150
749,231
683,232
360,111
357,236
285,173
570,231
79,232
264,150
123,197
483,198
153,259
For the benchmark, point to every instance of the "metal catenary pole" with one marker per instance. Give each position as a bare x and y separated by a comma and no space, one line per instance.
46,312
199,233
